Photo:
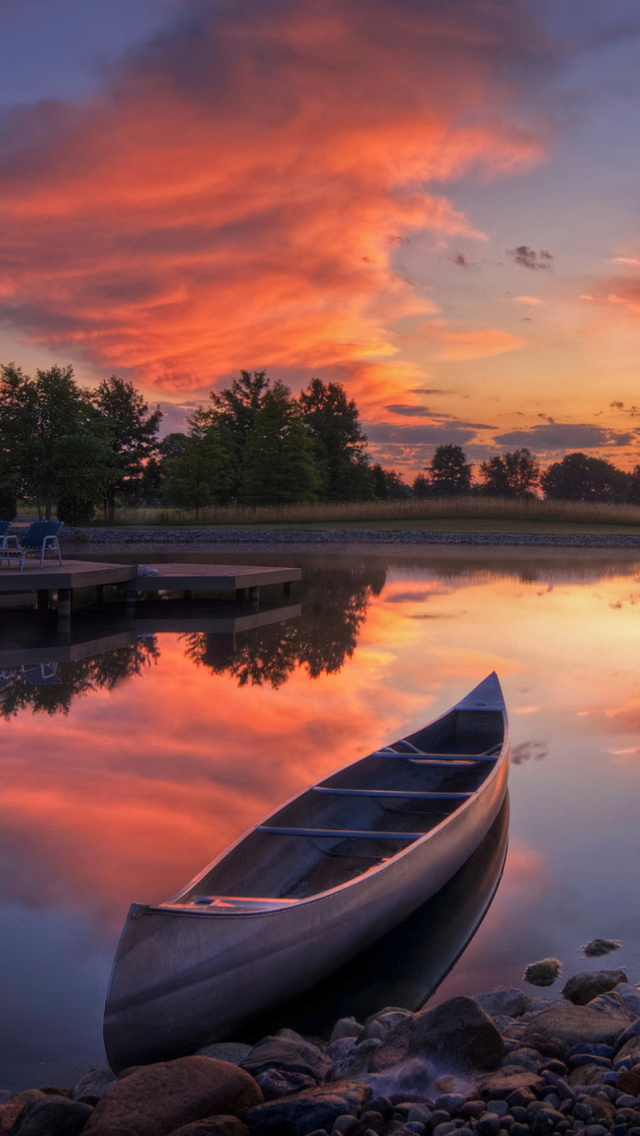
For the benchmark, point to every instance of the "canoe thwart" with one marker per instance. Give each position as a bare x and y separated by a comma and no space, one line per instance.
424,795
341,833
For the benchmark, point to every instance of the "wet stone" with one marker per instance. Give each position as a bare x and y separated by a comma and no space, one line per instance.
543,972
52,1116
488,1124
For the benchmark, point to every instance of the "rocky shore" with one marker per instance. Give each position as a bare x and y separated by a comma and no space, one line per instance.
117,537
502,1062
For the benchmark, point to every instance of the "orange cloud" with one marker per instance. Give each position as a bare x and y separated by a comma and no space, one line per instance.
236,194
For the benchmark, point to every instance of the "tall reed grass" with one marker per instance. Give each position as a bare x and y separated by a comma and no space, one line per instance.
407,512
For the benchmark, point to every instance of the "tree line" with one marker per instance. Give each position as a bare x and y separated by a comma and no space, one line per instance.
67,448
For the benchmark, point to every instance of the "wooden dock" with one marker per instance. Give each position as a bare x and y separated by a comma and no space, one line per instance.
61,580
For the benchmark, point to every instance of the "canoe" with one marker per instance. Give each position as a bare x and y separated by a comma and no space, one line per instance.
318,880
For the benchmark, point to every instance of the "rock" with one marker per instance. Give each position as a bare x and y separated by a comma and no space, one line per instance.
169,1094
346,1027
598,947
629,1082
511,1003
568,1025
632,1030
344,1125
589,1074
535,1005
232,1051
374,1029
542,973
5,1095
290,1034
94,1083
356,1060
631,1048
288,1055
26,1096
411,1078
275,1084
501,1084
8,1114
338,1049
610,1003
52,1116
457,1034
525,1057
630,997
213,1126
583,987
305,1112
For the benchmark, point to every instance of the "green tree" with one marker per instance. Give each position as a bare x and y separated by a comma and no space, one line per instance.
231,417
54,439
510,475
133,434
279,467
581,478
397,489
379,482
339,443
421,487
449,474
199,476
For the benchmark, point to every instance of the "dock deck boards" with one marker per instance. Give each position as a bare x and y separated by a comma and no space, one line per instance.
169,577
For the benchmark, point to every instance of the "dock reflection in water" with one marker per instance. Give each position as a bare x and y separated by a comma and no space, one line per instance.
406,966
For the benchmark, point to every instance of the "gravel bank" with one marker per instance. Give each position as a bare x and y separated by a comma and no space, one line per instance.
500,1064
202,537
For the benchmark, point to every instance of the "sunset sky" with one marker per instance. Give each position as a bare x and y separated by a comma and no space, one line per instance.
432,201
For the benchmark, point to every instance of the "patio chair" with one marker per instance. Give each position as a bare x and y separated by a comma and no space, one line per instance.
4,528
41,537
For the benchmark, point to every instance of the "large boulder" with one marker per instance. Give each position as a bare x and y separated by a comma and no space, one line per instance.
95,1083
233,1051
511,1003
52,1116
159,1098
500,1085
308,1111
570,1025
586,986
458,1034
288,1056
213,1126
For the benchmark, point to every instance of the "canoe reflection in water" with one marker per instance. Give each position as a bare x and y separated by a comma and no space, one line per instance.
320,879
407,965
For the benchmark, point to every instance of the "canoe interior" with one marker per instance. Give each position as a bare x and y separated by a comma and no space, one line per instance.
271,866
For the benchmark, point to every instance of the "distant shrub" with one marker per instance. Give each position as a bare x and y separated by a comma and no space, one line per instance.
75,511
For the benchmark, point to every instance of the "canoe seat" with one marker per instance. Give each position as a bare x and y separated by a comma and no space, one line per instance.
340,833
424,795
232,903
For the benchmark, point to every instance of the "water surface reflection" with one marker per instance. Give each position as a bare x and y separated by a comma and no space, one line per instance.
152,753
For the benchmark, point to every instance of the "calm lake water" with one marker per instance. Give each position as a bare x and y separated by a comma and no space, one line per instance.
126,770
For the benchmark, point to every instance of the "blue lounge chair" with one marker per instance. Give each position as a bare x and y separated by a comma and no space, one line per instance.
40,537
4,529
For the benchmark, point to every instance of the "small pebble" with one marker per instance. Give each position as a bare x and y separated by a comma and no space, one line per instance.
488,1124
500,1107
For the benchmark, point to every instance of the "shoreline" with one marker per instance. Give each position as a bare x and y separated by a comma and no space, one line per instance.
330,537
503,1063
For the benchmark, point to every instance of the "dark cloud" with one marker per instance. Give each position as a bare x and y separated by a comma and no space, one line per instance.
528,751
563,436
455,432
414,411
462,261
431,390
633,411
529,258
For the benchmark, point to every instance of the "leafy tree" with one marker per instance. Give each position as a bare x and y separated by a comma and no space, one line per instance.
581,478
449,474
397,489
510,475
633,488
132,431
379,482
421,487
55,440
232,416
339,443
173,445
279,468
199,476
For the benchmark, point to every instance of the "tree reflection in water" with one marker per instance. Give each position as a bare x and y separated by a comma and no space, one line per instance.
334,606
51,688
